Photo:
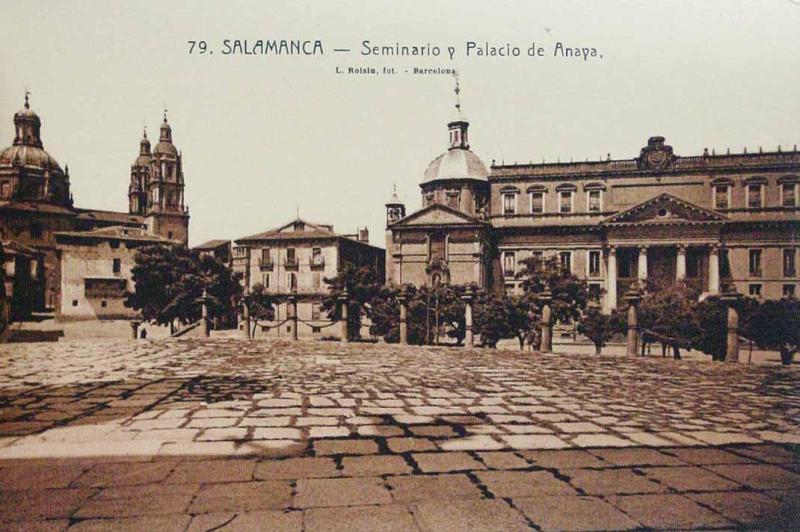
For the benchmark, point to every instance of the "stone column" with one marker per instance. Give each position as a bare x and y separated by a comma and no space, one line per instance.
204,322
642,270
343,301
402,298
547,333
469,298
713,270
732,342
292,310
611,280
680,265
245,319
633,297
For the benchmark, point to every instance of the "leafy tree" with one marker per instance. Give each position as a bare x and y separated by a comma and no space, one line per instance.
260,306
498,316
711,316
776,325
666,314
385,314
168,281
431,311
569,294
600,328
362,287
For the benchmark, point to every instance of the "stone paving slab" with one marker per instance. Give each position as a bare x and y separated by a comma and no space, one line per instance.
233,435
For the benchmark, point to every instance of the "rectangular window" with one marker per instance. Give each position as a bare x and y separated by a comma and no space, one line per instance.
114,244
452,200
36,230
594,263
595,203
537,202
721,197
265,280
316,329
169,235
74,302
755,290
290,256
565,202
316,257
315,311
789,195
755,263
509,203
594,291
266,257
565,259
754,196
5,189
117,265
509,263
724,263
789,268
788,290
104,303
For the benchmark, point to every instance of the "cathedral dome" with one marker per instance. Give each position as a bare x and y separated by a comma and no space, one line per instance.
37,174
27,151
456,163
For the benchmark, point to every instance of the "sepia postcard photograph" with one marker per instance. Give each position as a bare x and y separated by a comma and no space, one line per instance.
455,265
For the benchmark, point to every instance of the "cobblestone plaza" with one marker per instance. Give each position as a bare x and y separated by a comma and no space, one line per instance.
198,434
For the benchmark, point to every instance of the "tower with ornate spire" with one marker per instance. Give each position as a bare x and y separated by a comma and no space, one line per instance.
156,189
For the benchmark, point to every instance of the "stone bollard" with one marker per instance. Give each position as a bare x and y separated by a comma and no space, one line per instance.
402,298
343,301
135,328
633,297
546,324
203,300
293,315
469,298
245,320
732,322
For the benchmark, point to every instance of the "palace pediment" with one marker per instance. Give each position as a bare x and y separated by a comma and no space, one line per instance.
436,214
665,209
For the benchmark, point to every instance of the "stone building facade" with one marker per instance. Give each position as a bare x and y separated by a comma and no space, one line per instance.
711,219
293,261
96,270
36,202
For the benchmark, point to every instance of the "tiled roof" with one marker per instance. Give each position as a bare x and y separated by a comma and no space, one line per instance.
110,216
117,233
213,244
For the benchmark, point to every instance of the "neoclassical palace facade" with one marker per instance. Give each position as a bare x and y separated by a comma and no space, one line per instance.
712,220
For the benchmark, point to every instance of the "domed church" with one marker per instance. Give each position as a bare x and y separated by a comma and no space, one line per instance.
447,241
36,206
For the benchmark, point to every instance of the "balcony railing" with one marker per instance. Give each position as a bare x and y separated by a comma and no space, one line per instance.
267,265
290,264
318,263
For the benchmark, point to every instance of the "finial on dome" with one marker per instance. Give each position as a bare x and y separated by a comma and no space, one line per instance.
165,113
145,131
457,91
27,94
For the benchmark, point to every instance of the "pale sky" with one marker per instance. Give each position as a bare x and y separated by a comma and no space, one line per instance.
262,134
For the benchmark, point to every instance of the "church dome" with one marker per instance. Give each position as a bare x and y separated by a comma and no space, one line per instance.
38,175
456,163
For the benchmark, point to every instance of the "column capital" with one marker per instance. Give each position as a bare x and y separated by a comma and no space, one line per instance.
682,248
612,249
714,248
642,248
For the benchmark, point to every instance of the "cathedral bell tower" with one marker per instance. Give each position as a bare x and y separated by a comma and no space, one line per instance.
156,189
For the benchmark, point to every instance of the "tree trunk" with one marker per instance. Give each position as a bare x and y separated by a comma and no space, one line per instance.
597,349
521,340
676,352
786,356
